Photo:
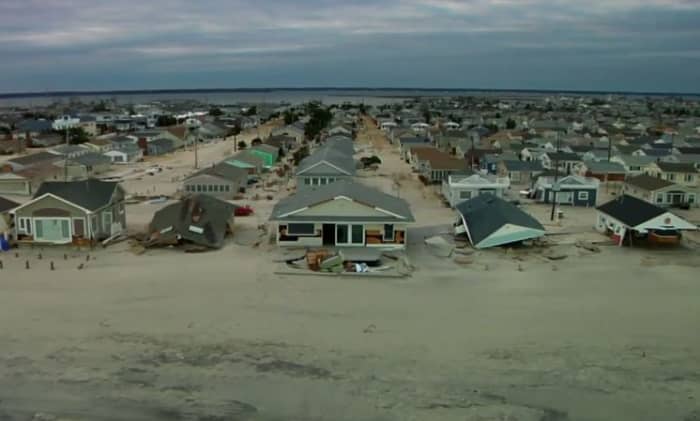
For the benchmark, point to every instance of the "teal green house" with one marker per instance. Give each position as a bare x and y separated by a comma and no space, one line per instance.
268,153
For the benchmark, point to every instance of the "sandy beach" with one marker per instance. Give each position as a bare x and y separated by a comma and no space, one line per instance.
218,336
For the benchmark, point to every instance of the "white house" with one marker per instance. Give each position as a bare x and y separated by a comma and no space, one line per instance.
458,188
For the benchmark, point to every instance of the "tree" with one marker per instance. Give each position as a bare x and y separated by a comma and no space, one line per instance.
166,120
255,142
300,154
77,135
290,117
319,119
427,116
510,124
241,145
363,108
215,112
100,107
235,130
250,111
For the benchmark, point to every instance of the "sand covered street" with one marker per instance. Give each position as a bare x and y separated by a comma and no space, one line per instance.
218,336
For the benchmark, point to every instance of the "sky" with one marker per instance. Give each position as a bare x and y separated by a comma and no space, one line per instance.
609,45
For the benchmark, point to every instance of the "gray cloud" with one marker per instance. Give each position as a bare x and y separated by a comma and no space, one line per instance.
598,44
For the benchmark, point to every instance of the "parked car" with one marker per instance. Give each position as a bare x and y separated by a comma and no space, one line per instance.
243,211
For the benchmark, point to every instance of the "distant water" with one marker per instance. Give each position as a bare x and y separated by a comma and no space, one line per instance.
276,96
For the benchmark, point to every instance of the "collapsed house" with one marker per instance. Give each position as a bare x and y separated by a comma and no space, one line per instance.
489,221
198,219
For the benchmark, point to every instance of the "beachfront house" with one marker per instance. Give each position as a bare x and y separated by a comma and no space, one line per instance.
571,190
196,219
222,180
458,188
344,214
489,221
629,220
71,212
660,192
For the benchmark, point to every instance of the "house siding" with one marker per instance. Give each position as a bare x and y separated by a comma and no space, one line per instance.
205,184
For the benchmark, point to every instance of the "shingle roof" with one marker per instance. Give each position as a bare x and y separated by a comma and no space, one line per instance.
676,167
563,156
205,212
7,204
486,213
350,189
225,171
514,165
630,210
68,149
605,167
328,154
35,158
90,194
648,182
90,159
440,160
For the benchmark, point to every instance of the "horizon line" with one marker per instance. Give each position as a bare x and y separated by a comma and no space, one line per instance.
39,94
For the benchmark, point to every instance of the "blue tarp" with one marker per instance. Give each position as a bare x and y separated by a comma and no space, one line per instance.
4,244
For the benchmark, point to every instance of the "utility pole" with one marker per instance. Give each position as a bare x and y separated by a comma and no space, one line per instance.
196,140
65,162
555,187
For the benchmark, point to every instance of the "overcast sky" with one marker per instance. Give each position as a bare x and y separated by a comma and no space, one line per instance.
635,45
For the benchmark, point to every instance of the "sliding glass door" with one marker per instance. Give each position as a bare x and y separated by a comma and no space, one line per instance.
349,235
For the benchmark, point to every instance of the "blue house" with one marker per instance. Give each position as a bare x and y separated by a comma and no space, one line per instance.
571,190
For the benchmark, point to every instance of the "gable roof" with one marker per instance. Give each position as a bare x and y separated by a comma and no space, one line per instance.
440,160
355,191
630,210
209,216
336,158
90,194
636,161
486,213
648,182
7,204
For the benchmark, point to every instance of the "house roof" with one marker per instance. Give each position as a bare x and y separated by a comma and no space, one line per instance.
344,188
11,176
515,165
337,158
7,204
676,167
223,170
440,160
267,149
486,214
209,216
694,150
89,194
90,159
279,140
68,149
630,210
653,152
648,182
179,131
35,158
570,181
162,142
563,156
248,157
639,161
35,126
605,167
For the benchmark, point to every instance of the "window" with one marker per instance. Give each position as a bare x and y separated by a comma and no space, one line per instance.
388,232
39,228
210,188
691,199
301,229
583,195
659,198
199,187
465,194
358,234
689,177
228,188
672,177
307,181
341,234
323,181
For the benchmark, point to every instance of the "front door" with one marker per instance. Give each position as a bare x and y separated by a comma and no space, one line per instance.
328,234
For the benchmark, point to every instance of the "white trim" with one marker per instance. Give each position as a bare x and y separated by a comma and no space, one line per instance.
393,233
14,211
294,212
319,163
48,218
389,213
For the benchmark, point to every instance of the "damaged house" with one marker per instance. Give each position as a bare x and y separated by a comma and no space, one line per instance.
198,219
489,221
